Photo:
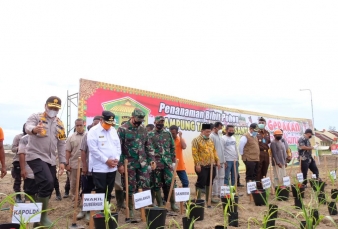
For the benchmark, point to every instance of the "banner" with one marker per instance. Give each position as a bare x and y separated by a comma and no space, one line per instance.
186,114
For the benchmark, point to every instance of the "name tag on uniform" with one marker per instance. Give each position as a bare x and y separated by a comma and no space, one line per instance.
101,136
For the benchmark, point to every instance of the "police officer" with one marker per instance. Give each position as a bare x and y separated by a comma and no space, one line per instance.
264,141
137,150
47,136
104,154
164,147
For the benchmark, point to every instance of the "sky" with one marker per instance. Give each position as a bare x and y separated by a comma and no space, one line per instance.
252,55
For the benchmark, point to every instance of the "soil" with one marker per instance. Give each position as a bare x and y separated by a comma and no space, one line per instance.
63,210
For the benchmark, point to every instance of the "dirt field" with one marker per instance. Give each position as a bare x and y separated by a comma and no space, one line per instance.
213,216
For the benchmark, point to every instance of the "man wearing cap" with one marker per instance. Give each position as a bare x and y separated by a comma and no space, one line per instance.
204,154
134,141
164,147
104,154
249,149
46,137
2,154
264,141
305,155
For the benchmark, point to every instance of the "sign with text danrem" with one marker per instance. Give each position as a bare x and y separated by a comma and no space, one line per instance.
93,202
29,213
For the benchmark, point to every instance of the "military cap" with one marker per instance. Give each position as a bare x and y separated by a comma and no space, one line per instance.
159,118
54,101
139,114
262,119
206,126
108,117
254,126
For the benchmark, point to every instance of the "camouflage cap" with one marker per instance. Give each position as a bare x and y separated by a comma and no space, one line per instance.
159,118
139,114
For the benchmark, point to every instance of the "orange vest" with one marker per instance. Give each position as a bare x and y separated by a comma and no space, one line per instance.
179,154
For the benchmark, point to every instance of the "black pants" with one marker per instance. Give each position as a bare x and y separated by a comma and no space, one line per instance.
203,177
44,175
30,187
104,183
87,184
309,164
251,170
56,183
67,185
16,174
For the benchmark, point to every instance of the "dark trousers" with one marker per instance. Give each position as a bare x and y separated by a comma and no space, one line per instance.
56,183
184,178
87,184
30,187
251,170
203,177
67,185
44,175
309,164
16,174
264,161
104,183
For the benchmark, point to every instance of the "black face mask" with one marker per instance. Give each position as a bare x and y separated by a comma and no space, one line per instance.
137,123
159,126
230,134
278,137
310,136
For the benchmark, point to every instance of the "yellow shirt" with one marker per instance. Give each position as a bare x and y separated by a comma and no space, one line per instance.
203,151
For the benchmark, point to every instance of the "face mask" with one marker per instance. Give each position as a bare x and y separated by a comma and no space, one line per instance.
106,126
278,137
310,136
205,137
261,126
159,126
230,133
220,132
52,113
137,123
254,134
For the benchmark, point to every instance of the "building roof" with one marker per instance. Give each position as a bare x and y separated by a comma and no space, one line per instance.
335,133
323,137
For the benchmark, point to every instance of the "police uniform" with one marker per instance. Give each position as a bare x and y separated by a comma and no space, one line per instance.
103,144
264,140
41,150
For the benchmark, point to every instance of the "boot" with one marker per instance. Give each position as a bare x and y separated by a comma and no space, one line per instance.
207,195
58,195
131,207
81,215
198,192
119,199
18,198
44,221
153,195
173,203
159,198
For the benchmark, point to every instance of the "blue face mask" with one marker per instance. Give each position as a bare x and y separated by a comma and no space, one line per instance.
261,126
254,134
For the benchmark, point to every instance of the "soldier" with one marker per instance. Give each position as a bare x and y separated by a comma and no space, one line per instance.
264,141
150,127
46,137
136,149
163,145
16,165
2,154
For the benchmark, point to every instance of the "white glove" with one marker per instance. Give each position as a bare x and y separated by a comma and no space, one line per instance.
173,165
315,146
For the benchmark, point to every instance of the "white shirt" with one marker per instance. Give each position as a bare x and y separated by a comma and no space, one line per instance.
103,145
230,148
242,143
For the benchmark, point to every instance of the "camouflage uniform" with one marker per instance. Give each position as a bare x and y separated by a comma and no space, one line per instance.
164,147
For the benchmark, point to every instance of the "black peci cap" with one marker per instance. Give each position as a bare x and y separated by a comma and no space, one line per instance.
206,126
308,131
254,126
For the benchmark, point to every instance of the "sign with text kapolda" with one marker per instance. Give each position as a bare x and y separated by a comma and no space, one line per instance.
187,115
93,202
30,212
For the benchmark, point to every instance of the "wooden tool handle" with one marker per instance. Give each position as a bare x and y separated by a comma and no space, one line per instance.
172,184
78,174
127,187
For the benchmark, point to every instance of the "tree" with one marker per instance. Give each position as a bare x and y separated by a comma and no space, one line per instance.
332,128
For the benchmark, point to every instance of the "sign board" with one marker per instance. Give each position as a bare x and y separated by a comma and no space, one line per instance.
22,212
333,174
334,149
182,194
266,182
93,202
225,190
300,177
142,199
286,181
251,186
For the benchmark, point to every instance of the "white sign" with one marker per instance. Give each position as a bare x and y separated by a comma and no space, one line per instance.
22,212
266,182
333,174
314,176
182,194
93,202
251,186
286,181
300,177
142,199
225,190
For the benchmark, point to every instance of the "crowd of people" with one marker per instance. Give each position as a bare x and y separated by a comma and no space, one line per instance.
147,153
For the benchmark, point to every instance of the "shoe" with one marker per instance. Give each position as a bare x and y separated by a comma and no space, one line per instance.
18,199
66,195
119,199
58,197
44,221
87,216
207,195
81,215
159,199
173,203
